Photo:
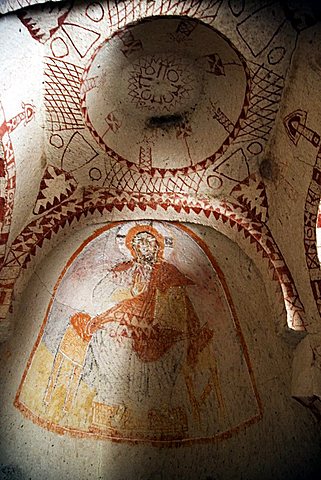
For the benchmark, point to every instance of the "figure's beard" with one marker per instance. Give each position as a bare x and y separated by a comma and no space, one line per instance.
148,258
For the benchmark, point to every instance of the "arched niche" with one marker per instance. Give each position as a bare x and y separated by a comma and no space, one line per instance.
254,376
250,232
141,311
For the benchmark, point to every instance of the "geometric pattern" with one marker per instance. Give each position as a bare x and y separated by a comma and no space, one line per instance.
61,95
3,201
74,32
145,191
120,177
8,170
245,192
78,152
7,197
99,200
265,95
44,21
261,102
310,225
121,13
295,125
55,187
255,123
8,184
202,163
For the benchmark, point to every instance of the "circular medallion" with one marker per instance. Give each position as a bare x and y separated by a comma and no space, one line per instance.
161,84
165,95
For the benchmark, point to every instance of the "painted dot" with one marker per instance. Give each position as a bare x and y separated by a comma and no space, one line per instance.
59,47
56,140
95,174
214,181
275,55
255,148
95,12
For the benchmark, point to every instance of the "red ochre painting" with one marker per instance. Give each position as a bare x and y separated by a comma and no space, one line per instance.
141,342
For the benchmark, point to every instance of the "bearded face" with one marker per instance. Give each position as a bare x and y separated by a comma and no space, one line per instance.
146,248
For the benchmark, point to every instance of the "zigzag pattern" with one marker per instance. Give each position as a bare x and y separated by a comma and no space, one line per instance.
7,194
245,192
310,224
56,186
98,199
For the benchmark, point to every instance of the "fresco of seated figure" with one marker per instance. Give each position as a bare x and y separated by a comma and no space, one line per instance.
149,365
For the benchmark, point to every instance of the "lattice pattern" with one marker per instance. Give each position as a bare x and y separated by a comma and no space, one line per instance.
265,95
121,178
122,13
62,87
192,8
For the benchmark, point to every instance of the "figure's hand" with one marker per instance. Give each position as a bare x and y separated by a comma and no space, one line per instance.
139,285
80,322
97,322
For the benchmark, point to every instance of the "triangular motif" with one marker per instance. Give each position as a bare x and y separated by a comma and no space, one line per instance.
81,38
252,198
56,186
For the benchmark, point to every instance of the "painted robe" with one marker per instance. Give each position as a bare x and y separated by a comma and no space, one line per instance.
141,352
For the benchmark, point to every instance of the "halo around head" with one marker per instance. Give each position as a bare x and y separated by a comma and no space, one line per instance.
145,229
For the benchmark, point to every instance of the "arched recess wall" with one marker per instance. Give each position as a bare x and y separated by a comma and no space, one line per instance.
255,236
270,361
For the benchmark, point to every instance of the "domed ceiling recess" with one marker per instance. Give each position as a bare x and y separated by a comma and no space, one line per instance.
143,109
171,105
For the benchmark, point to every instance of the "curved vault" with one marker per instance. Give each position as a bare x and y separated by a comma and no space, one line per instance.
156,96
99,267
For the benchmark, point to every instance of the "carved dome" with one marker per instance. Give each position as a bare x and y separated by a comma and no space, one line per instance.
164,103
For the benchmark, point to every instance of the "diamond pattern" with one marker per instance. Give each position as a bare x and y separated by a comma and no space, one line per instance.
62,95
264,101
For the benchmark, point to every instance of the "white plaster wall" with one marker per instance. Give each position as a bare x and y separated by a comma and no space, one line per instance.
21,81
285,444
291,166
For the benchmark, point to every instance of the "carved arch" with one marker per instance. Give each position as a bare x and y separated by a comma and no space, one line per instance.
220,214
